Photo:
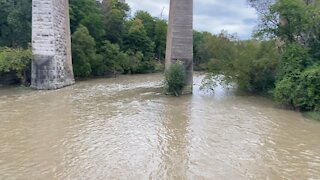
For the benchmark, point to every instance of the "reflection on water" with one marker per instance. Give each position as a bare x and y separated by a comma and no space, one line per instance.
125,128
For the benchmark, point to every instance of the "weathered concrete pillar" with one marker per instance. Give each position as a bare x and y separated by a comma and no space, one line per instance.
51,45
180,37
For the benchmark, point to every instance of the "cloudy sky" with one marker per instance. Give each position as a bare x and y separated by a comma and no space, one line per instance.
209,15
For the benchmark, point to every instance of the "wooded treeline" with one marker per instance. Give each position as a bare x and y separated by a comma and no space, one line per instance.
105,38
282,59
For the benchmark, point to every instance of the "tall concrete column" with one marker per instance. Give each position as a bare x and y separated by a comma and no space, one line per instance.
51,45
180,38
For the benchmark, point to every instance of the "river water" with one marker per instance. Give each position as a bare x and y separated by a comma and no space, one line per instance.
125,128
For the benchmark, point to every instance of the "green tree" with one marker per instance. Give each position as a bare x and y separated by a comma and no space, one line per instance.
291,21
15,23
256,66
114,25
87,13
160,38
296,24
207,46
298,79
114,17
198,41
252,65
83,52
131,63
220,50
147,21
138,40
108,5
110,60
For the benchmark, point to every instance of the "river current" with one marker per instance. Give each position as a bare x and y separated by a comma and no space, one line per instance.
125,128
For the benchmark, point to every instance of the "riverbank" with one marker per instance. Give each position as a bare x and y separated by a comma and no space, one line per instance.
312,115
308,115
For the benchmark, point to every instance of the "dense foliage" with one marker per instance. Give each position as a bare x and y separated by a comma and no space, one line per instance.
83,52
15,23
295,26
298,30
18,61
175,79
105,39
15,37
286,65
251,64
298,79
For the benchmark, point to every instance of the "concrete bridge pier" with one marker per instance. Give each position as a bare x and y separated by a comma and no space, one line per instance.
51,45
180,38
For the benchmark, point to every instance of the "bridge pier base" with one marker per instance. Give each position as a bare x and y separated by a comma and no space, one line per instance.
51,45
180,38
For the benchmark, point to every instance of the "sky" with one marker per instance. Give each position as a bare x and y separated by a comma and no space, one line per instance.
213,16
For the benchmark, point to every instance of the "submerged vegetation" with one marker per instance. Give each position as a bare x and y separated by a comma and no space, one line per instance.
175,79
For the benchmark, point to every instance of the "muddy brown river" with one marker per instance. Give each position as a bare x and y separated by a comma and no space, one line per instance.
125,128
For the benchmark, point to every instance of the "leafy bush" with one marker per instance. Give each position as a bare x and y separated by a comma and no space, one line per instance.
283,92
175,79
137,39
16,60
137,63
255,66
301,92
293,61
146,66
308,89
252,65
131,63
110,58
159,67
83,52
298,80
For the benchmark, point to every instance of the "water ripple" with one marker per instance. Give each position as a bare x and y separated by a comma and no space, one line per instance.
125,128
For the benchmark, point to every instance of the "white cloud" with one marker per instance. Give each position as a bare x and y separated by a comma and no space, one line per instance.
209,15
155,8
